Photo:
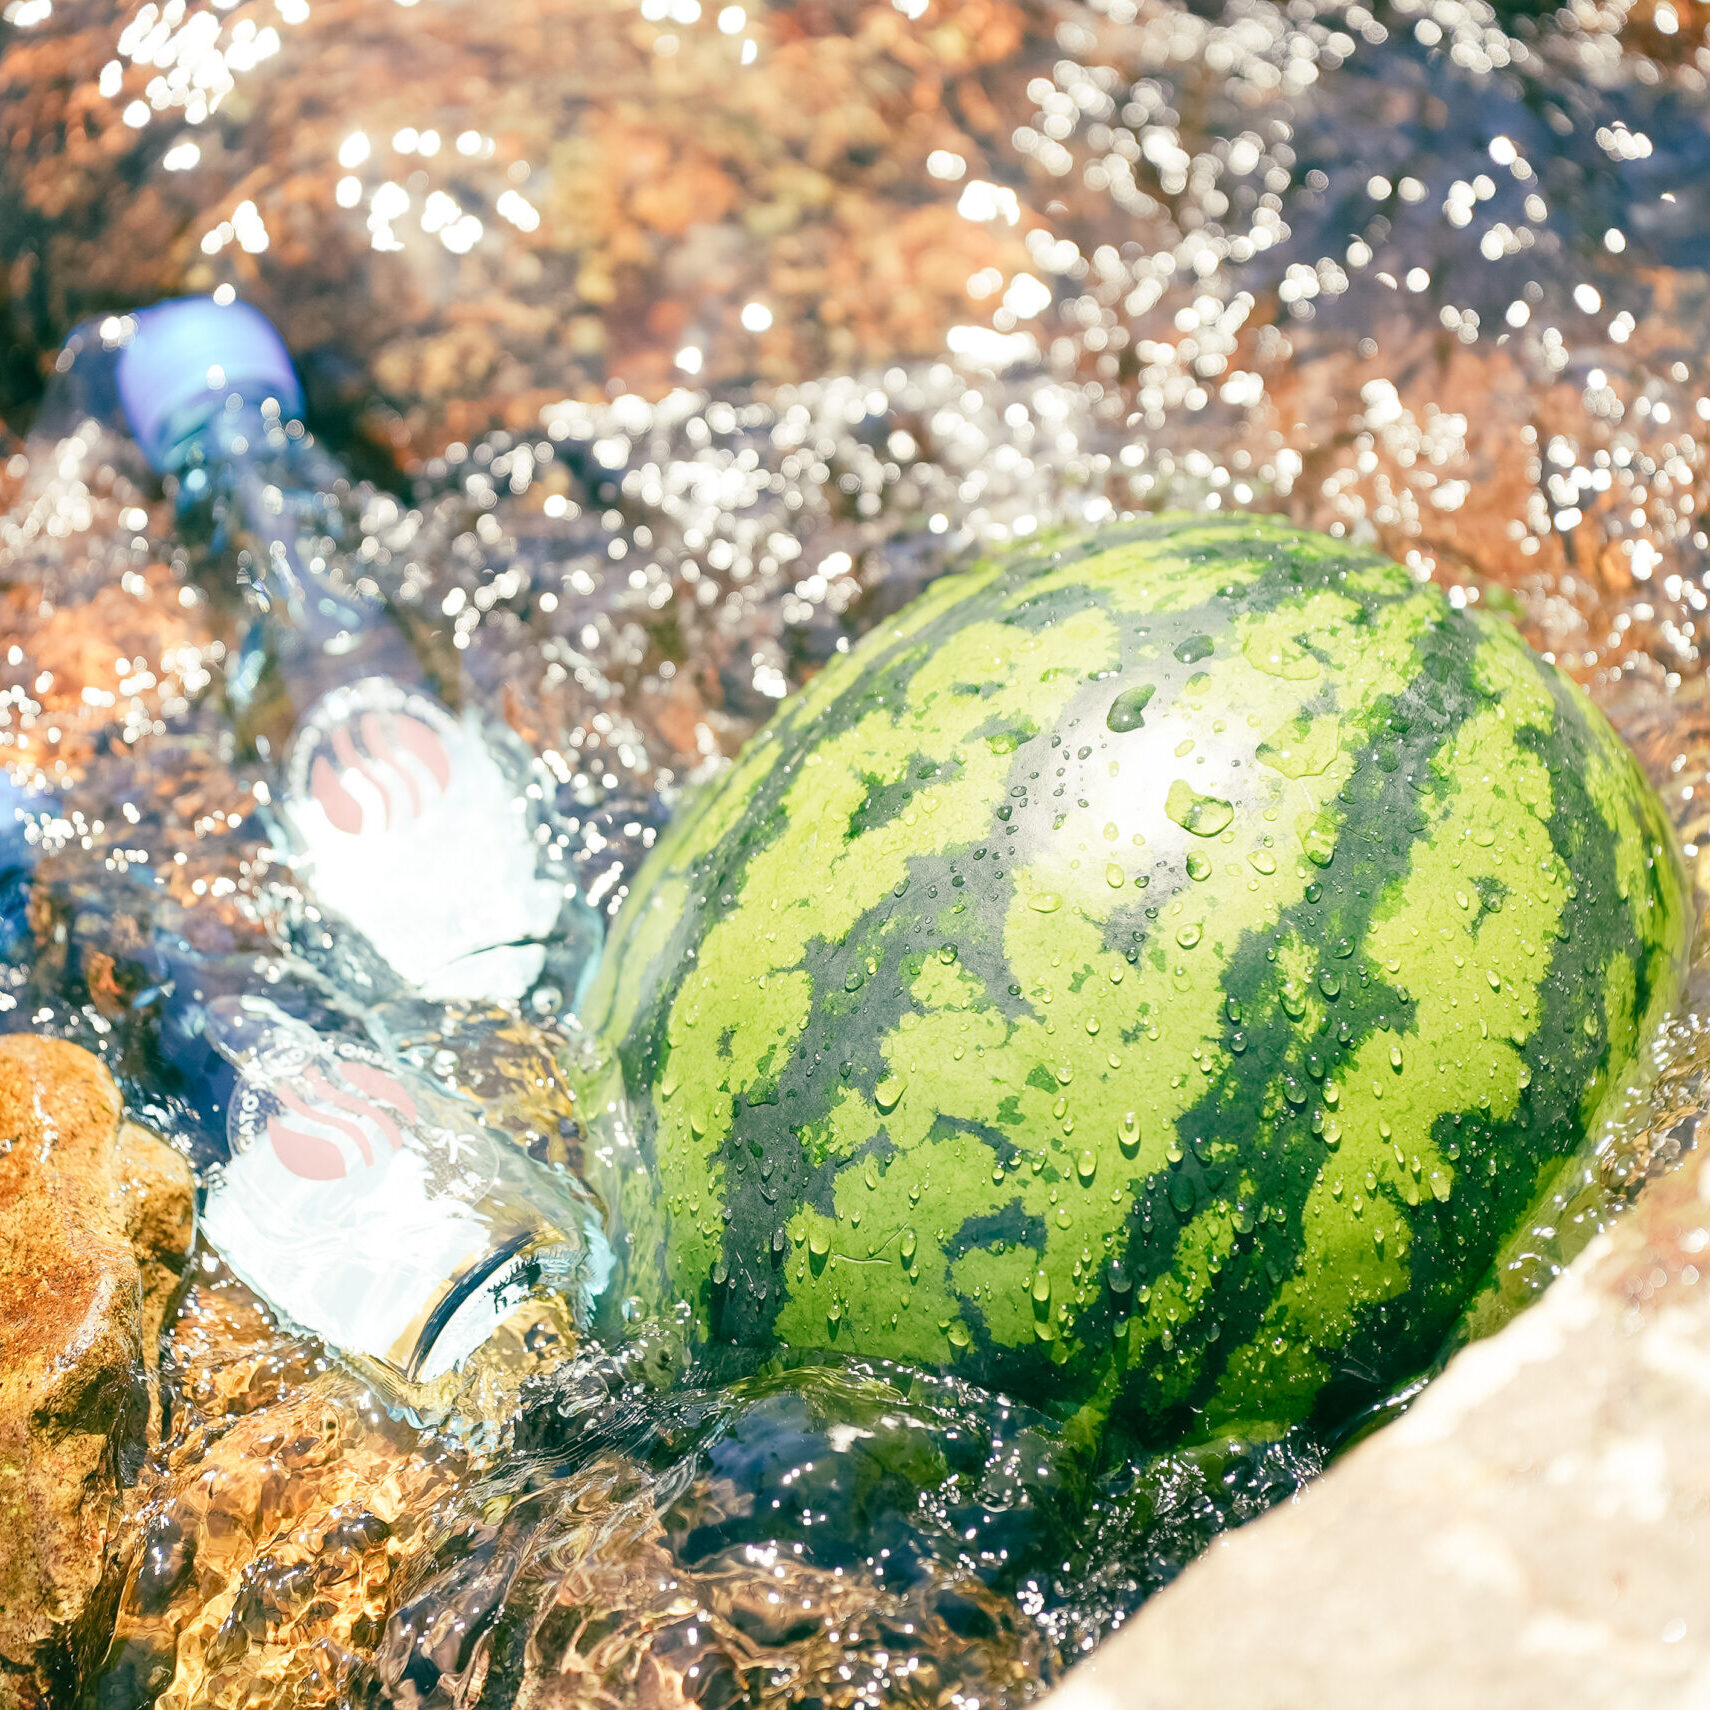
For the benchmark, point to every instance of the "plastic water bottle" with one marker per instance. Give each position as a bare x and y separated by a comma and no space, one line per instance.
429,833
362,1200
366,1202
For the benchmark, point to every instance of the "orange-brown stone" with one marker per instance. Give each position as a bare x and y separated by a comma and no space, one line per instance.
83,1308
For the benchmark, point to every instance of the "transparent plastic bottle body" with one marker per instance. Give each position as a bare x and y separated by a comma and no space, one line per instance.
374,1209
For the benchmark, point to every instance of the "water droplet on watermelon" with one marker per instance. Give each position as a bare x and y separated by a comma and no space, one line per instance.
1330,983
1092,1024
1525,1076
1046,902
1317,833
1331,1093
1113,876
1086,1166
870,1175
1040,1287
1262,862
854,980
1197,865
1187,936
1129,1134
907,1249
819,1242
1194,649
947,954
1293,1001
1395,1058
1293,1091
958,1337
1127,709
778,1240
1494,978
1202,815
887,1093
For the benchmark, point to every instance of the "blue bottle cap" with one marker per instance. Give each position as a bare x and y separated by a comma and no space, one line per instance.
187,356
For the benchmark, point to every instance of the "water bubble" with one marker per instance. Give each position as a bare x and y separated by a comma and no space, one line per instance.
1046,902
1395,1058
1293,1000
819,1242
1113,876
1262,861
889,1091
908,1245
1203,816
1041,1289
1330,983
1129,1134
1086,1166
1232,1008
1127,709
1317,833
1187,936
1198,867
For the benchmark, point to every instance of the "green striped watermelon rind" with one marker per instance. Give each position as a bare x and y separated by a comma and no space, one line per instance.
1156,971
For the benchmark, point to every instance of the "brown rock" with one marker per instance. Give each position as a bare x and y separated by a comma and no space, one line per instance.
76,1342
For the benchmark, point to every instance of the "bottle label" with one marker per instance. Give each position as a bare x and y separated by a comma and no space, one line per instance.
410,827
351,1204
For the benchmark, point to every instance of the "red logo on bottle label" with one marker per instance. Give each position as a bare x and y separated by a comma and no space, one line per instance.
323,1130
376,768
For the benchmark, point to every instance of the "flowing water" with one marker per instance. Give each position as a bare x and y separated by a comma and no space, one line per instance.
679,347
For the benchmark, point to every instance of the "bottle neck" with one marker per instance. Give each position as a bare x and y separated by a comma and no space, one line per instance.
262,491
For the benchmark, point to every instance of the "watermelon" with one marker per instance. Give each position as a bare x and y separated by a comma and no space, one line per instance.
1155,973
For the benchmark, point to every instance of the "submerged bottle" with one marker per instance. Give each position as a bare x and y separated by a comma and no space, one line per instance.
364,1200
430,833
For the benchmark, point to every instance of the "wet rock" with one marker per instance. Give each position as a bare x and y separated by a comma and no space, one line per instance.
1531,1533
95,1220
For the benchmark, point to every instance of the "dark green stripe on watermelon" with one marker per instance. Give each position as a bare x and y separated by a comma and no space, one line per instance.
1165,968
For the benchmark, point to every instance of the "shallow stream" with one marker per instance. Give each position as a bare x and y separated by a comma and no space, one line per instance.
677,347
